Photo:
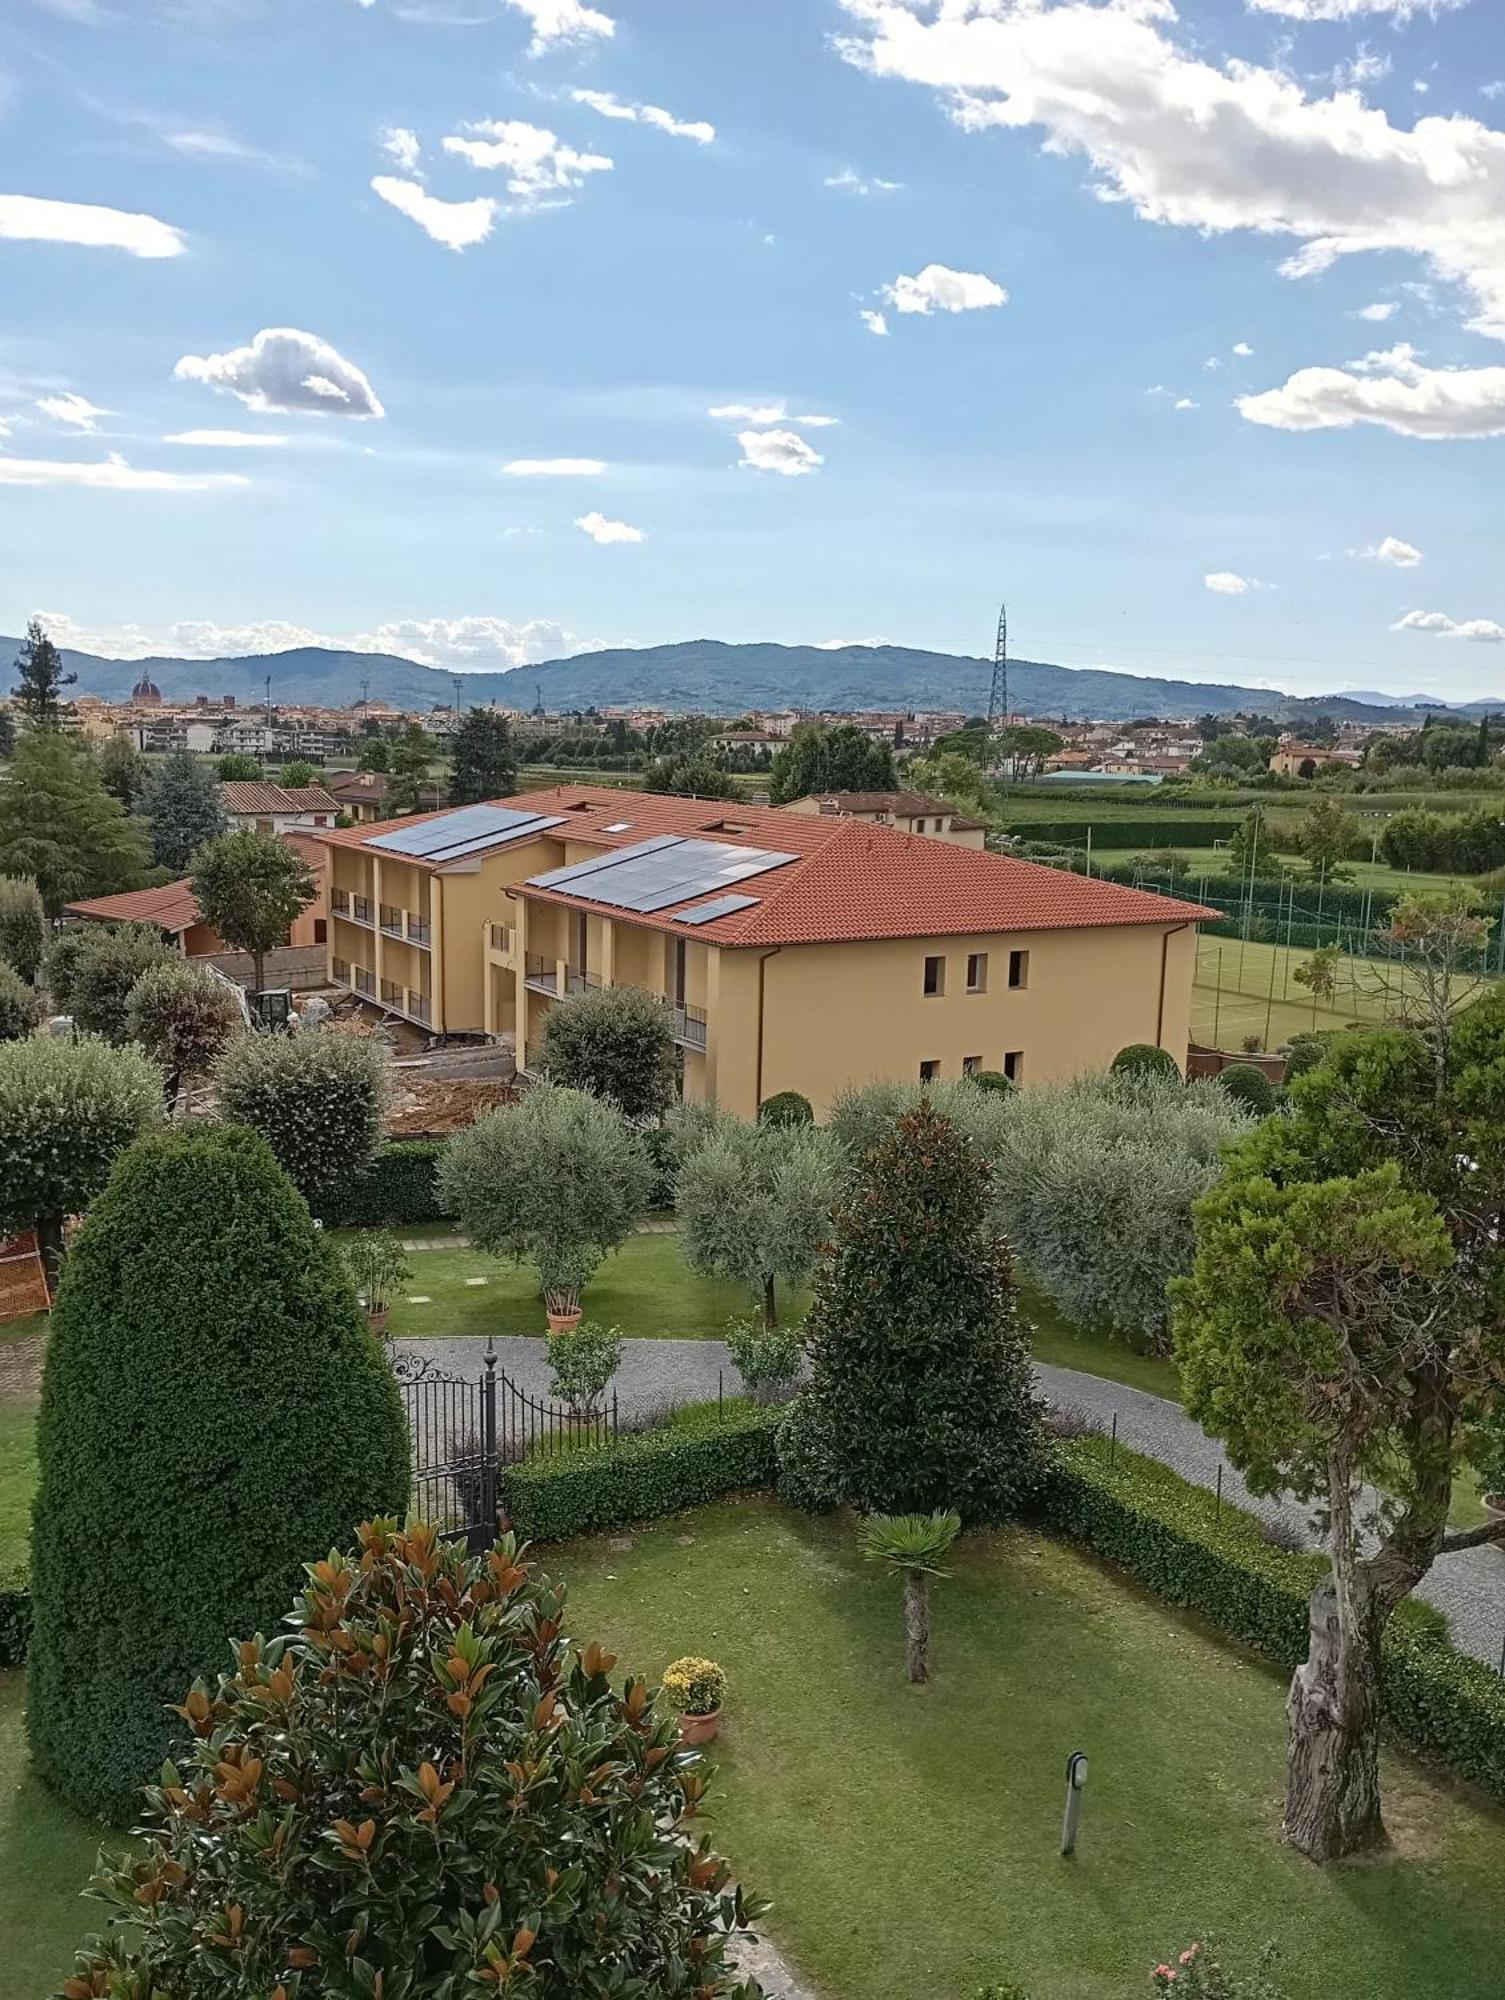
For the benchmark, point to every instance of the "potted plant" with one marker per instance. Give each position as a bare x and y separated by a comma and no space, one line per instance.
583,1360
697,1689
377,1265
563,1270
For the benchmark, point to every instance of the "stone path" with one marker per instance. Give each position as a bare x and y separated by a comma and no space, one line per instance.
658,1375
21,1366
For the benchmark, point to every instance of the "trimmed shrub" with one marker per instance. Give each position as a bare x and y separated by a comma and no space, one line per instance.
920,1396
213,1409
1144,1059
107,966
425,1789
662,1155
399,1186
767,1357
1248,1086
23,926
60,964
15,1619
991,1079
1305,1051
20,1006
182,1014
618,1043
785,1107
582,1361
319,1100
702,1454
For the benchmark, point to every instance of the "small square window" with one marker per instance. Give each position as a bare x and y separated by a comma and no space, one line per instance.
1013,1065
977,972
929,1071
935,976
971,1065
1018,968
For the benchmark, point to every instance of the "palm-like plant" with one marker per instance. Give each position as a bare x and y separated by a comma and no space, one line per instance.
917,1544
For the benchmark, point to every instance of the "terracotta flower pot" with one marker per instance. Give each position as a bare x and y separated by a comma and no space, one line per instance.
377,1317
565,1322
696,1729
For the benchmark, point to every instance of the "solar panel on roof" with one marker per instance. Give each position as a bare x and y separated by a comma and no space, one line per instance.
655,873
524,832
556,878
706,913
466,831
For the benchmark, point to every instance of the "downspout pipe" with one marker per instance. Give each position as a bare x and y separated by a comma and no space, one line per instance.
763,958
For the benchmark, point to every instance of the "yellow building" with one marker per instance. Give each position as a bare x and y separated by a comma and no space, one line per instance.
794,951
911,812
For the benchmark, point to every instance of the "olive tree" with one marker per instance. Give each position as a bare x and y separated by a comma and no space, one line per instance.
67,1110
556,1180
182,1014
20,1005
616,1041
105,967
318,1098
753,1203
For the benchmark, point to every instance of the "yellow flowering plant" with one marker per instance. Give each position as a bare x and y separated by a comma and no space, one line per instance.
695,1687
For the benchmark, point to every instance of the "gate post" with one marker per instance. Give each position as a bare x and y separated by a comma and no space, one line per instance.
483,1531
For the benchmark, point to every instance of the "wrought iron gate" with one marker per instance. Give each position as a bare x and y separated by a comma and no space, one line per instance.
465,1429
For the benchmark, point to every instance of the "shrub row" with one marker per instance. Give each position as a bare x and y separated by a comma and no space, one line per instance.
399,1188
1173,1537
700,1455
1108,830
15,1619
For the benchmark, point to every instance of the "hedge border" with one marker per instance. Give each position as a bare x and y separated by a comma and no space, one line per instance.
15,1620
398,1188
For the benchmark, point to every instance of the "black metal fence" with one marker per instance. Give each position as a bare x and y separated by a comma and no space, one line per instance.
465,1429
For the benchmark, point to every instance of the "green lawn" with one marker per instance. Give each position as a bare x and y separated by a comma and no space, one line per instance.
908,1837
1093,1350
1216,861
18,1476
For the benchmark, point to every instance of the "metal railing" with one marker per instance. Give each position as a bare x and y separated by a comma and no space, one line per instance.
419,929
418,1006
542,974
365,980
391,919
391,993
578,980
360,909
689,1024
339,902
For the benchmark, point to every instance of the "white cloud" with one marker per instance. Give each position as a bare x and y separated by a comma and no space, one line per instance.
539,165
939,289
455,224
554,468
1242,349
1187,403
563,21
28,219
1392,550
1206,146
468,644
1351,10
851,182
1416,401
1381,309
74,410
1484,631
1213,361
227,440
875,322
611,106
601,530
768,413
401,145
778,451
283,369
1228,583
110,474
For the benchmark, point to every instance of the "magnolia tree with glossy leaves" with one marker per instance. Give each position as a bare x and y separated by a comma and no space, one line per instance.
1343,1331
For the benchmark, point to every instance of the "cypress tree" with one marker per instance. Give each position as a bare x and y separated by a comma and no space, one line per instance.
182,805
214,1415
920,1396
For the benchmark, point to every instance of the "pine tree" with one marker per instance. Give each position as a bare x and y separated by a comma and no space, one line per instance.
123,770
38,693
183,806
919,1398
61,827
411,756
485,766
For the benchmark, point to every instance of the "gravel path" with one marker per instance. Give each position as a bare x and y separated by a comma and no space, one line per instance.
657,1375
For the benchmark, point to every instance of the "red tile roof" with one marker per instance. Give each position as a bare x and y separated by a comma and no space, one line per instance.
849,880
172,907
241,795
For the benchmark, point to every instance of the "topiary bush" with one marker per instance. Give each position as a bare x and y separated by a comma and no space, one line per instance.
1306,1050
1144,1059
318,1098
453,1799
786,1107
991,1079
582,1362
397,1187
60,964
616,1042
213,1408
920,1395
182,1014
20,1006
106,967
23,926
1248,1086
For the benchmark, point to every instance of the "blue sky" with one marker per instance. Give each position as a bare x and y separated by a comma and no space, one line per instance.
1184,328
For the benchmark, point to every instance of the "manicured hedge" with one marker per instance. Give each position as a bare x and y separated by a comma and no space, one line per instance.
1111,830
1172,1536
399,1188
693,1460
15,1619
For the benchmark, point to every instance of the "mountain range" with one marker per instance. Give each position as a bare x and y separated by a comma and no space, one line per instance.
711,676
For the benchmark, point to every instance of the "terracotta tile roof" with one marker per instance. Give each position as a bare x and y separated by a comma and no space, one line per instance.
849,880
172,907
903,805
241,796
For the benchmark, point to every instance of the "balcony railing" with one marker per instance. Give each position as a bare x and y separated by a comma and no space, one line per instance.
340,967
365,980
419,929
689,1025
542,974
391,920
360,909
578,980
501,938
391,993
418,1006
339,902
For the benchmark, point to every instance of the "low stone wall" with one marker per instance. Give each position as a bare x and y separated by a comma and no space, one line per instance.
300,967
1208,1062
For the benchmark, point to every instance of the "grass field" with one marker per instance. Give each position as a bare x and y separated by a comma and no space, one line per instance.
1250,989
908,1837
1216,864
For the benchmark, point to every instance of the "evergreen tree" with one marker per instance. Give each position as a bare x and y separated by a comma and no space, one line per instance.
182,804
919,1398
107,965
616,1041
250,888
7,732
238,767
38,692
61,827
695,774
298,773
841,759
484,764
123,770
23,927
376,755
412,754
214,1412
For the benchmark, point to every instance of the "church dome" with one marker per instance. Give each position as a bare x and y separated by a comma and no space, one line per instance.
146,690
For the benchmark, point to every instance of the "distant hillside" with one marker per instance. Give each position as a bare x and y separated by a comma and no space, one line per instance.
709,675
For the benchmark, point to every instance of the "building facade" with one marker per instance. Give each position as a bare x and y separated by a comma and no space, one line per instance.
793,951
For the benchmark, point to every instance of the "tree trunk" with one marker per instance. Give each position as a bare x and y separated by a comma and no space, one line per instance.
49,1230
917,1624
1333,1710
258,960
770,1306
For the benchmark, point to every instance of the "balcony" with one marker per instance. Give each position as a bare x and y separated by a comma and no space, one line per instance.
578,980
418,1007
365,981
360,909
339,902
500,936
391,993
688,1024
541,975
391,920
419,930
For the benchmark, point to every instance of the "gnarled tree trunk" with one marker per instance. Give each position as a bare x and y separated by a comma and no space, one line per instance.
1333,1709
917,1623
770,1305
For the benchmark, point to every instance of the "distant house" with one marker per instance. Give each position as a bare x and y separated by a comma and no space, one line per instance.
275,809
1289,758
174,910
910,812
362,795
